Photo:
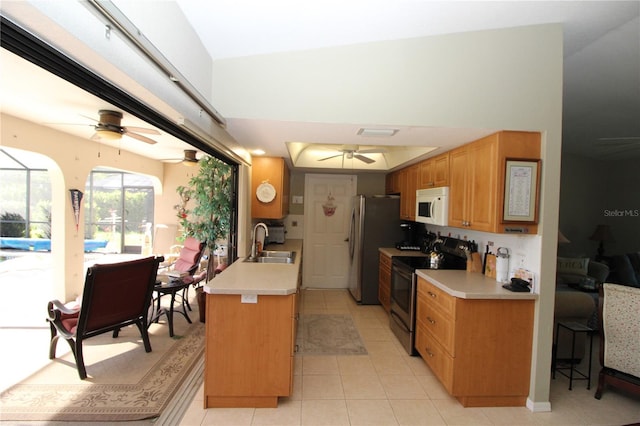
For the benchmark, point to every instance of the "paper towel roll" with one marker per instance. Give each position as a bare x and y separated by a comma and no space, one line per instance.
502,269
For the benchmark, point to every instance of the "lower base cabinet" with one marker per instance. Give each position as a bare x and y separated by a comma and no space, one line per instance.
480,349
249,351
384,282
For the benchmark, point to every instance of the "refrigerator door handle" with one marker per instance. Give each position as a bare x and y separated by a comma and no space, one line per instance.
351,237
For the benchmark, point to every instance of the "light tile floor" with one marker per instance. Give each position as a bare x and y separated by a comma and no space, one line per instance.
388,387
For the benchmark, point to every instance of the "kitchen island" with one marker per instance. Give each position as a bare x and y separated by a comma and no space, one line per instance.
251,321
475,336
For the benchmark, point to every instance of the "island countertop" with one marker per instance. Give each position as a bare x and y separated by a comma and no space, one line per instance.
260,278
470,285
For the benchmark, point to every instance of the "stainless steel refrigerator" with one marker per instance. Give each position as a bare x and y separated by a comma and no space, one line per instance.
375,223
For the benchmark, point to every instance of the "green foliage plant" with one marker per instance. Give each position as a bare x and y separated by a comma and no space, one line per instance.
210,194
12,225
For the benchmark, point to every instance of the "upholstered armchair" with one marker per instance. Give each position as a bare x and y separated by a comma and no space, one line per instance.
619,308
186,266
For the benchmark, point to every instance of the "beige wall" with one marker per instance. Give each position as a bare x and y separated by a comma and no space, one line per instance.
72,161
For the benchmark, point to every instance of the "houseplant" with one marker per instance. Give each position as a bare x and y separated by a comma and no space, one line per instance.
209,192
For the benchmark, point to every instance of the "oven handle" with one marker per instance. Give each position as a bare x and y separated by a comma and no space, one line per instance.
399,321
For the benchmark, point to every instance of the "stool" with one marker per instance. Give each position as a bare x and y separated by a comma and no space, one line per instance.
574,328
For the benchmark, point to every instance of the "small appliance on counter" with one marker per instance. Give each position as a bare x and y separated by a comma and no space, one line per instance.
411,241
277,233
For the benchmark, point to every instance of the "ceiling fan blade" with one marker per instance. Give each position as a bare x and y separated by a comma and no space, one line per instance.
365,159
141,130
373,151
327,158
88,118
140,138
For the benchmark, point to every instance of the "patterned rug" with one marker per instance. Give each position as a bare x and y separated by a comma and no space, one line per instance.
322,334
125,383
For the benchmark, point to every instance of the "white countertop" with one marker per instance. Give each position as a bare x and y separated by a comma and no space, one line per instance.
470,285
277,279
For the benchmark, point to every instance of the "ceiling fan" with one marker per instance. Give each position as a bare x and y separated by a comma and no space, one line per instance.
352,151
190,158
109,127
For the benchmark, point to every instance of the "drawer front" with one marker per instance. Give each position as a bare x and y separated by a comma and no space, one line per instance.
440,299
440,325
435,356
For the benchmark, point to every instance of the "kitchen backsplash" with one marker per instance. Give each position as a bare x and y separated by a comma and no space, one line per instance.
524,249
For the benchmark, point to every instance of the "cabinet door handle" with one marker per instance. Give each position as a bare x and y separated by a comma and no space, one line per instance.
431,294
431,320
296,348
429,352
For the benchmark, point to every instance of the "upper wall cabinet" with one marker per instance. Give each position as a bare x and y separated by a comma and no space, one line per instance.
408,184
477,181
434,172
269,188
392,183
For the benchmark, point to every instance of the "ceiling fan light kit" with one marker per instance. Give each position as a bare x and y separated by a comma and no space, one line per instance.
108,134
110,127
190,157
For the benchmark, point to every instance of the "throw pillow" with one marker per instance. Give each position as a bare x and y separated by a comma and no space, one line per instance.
588,284
572,265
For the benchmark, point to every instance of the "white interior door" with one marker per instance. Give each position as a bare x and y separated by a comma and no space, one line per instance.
327,212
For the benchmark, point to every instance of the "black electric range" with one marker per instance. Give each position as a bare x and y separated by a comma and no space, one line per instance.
402,322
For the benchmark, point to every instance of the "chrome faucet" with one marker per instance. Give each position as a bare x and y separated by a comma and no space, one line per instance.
254,244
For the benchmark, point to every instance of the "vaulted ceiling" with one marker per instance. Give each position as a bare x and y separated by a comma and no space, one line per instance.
601,102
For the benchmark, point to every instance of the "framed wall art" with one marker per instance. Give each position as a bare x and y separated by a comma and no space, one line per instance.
521,191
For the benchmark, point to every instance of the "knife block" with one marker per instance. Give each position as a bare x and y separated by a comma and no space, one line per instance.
475,263
490,269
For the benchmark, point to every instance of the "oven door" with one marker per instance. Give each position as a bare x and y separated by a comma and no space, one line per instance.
402,313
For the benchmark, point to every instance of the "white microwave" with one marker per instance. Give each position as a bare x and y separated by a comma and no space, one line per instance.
432,206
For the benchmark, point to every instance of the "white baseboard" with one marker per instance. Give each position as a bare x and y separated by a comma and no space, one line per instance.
538,407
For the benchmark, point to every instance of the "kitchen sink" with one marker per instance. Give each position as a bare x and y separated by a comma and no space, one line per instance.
274,256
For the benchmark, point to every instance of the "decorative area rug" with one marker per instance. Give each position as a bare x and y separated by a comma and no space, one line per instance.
125,383
322,334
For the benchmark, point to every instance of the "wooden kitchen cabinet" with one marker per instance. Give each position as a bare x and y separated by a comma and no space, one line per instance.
477,179
434,172
392,183
408,186
480,349
250,350
384,282
274,171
